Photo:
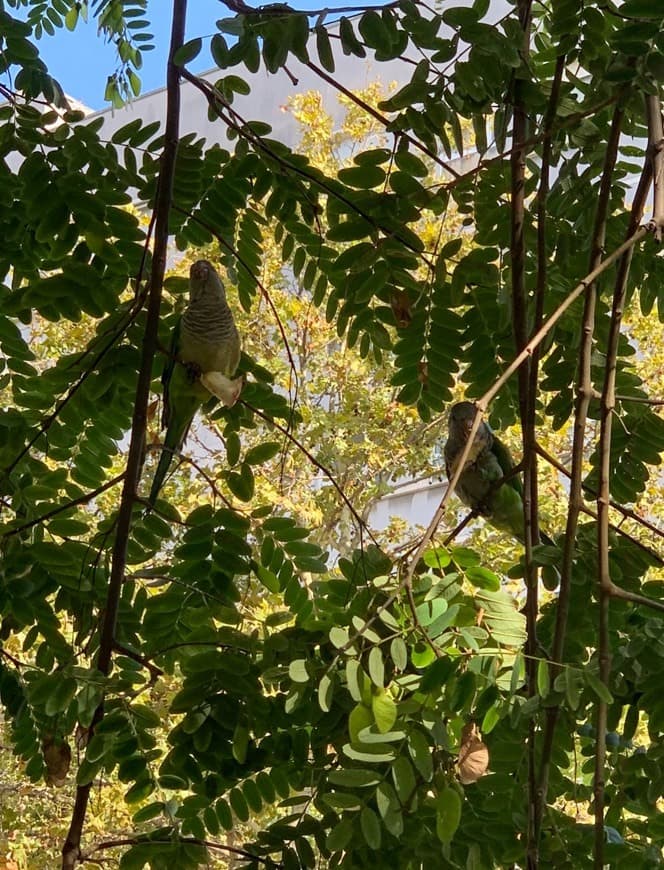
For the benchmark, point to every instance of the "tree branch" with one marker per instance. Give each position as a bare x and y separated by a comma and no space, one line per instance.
82,499
138,841
584,395
233,120
607,407
381,118
71,851
656,147
362,527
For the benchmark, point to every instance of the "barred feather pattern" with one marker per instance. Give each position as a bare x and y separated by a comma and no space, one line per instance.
209,336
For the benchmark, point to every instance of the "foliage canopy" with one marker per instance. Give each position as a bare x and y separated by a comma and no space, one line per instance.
358,697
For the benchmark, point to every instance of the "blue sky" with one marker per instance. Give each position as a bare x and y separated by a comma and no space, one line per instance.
81,61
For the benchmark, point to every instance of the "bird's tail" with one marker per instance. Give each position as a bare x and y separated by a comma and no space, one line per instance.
160,474
173,442
545,539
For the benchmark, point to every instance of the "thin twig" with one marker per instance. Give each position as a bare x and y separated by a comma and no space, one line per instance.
237,123
155,672
82,499
208,844
362,526
626,512
555,316
381,118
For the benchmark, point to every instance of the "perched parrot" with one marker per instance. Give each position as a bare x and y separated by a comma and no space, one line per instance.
488,462
205,342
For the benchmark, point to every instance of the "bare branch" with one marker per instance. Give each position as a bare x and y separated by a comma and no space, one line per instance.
584,395
607,589
71,850
656,149
381,118
626,512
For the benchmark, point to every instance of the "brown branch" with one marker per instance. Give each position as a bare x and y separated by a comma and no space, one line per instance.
208,844
155,672
381,118
656,147
49,420
626,512
362,526
526,403
71,850
237,123
643,400
16,662
584,395
82,499
614,591
542,273
607,407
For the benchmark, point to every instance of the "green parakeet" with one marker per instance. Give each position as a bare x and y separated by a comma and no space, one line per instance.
205,340
488,462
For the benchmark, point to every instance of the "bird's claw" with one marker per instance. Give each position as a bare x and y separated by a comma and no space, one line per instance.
193,371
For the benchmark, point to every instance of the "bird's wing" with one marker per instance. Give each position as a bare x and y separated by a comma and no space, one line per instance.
167,373
506,463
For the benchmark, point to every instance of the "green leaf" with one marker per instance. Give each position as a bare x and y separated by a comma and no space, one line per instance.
448,814
239,805
339,636
377,667
364,178
384,710
370,826
356,680
374,32
240,743
349,42
421,753
324,49
242,484
262,452
139,791
399,653
340,800
224,814
151,811
340,836
404,779
482,578
543,679
598,687
354,778
360,717
187,52
297,671
252,795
